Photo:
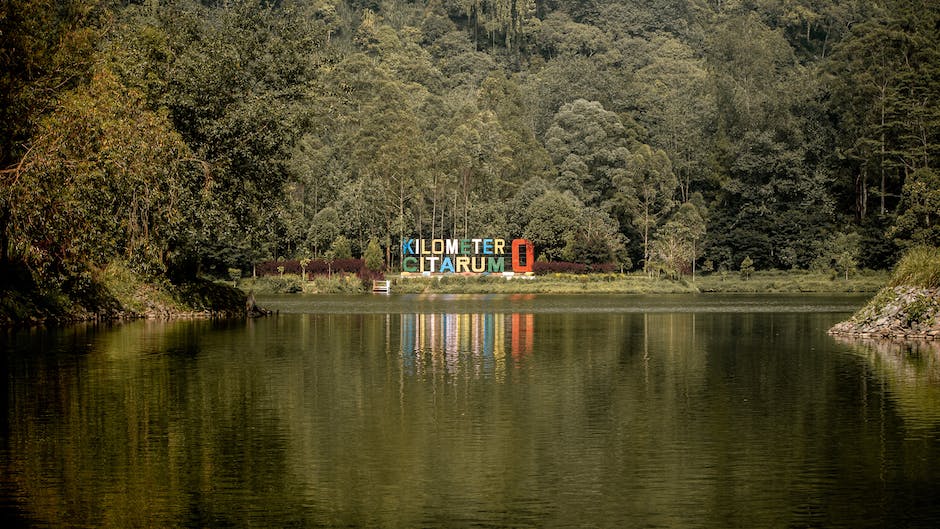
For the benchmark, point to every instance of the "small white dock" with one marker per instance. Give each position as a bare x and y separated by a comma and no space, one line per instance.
383,287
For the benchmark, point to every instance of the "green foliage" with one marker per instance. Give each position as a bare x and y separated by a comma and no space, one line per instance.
48,48
839,253
790,281
233,78
920,267
646,190
596,240
554,217
919,220
921,311
192,137
882,72
234,274
102,180
678,243
340,248
678,109
324,228
746,268
589,146
373,256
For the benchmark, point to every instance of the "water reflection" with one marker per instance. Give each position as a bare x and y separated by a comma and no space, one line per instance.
476,419
911,371
483,343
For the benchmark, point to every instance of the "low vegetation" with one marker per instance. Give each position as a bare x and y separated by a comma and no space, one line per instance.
114,292
792,281
909,306
920,267
569,283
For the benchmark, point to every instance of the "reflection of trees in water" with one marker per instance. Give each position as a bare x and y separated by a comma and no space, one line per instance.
318,418
678,418
136,426
911,369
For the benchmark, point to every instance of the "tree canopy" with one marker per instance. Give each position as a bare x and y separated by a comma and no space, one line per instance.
187,136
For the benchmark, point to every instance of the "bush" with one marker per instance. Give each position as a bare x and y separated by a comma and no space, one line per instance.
347,265
564,267
270,268
920,267
338,284
373,256
367,276
558,267
747,267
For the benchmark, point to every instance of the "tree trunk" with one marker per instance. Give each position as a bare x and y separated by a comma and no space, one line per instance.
861,193
4,235
646,238
884,90
434,210
401,213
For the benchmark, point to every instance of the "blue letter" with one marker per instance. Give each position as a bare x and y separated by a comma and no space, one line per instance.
446,265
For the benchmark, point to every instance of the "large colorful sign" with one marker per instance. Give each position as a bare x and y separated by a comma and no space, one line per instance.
469,256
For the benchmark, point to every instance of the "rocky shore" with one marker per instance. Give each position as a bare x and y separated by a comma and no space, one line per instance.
896,312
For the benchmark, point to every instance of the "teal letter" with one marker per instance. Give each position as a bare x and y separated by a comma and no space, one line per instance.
496,264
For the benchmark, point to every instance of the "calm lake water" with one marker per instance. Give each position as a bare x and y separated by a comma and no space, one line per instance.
473,411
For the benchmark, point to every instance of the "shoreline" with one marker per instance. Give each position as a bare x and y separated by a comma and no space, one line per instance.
908,308
902,312
130,298
115,294
770,282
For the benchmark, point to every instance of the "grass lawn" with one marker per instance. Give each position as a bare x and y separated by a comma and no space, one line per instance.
633,283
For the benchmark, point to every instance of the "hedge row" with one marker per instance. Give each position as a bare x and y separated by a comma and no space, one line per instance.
357,266
563,267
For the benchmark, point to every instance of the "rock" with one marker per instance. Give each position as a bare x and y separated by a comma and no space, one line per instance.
909,313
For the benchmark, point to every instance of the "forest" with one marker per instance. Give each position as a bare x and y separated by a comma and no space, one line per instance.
186,137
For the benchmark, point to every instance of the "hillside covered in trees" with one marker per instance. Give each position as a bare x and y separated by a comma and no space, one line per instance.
183,137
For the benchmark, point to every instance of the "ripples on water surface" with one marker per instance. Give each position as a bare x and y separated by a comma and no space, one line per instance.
474,411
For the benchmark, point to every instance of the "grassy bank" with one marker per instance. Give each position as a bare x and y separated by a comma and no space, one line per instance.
292,284
920,267
909,306
759,282
793,281
112,293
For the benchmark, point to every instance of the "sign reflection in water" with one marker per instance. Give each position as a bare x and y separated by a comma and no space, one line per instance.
486,343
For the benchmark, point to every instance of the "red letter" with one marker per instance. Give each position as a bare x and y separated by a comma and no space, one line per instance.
522,262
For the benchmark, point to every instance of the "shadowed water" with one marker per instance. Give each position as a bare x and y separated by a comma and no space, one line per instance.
474,411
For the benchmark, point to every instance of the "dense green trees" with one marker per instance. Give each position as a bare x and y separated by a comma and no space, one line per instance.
185,136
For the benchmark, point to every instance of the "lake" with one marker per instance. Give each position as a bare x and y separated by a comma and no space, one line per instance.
473,411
